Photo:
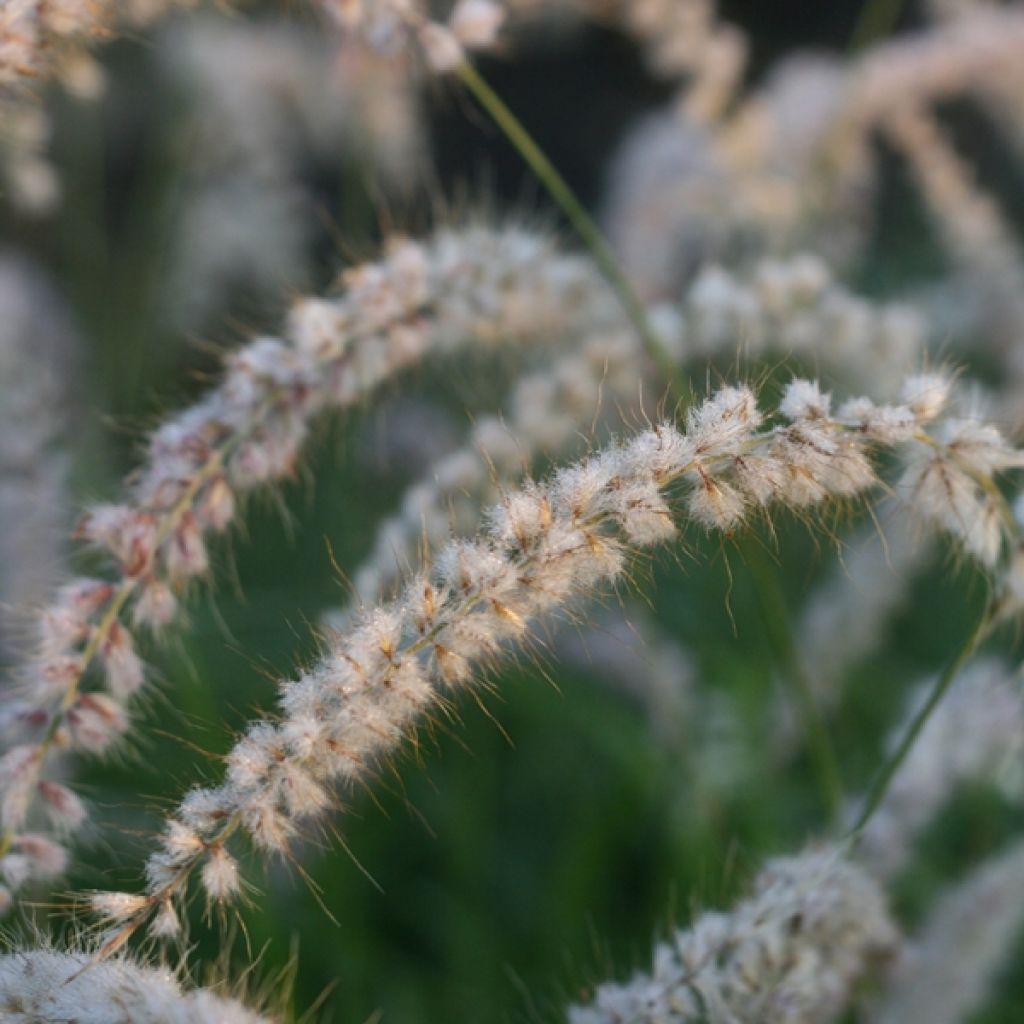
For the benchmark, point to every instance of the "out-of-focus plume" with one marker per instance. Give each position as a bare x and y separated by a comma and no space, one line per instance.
38,367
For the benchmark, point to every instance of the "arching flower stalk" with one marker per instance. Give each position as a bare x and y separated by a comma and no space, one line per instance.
545,545
39,37
41,40
789,306
674,34
46,985
818,923
680,39
791,163
795,306
470,286
975,232
544,414
794,950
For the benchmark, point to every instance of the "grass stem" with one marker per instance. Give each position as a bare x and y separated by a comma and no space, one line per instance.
563,195
888,771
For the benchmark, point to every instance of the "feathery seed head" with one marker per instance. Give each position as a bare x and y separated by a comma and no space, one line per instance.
792,951
663,451
926,395
521,519
442,48
475,23
18,768
761,476
302,795
128,533
180,842
47,985
980,447
220,875
95,721
48,859
580,490
316,327
116,906
720,424
217,506
884,424
715,504
64,809
804,400
940,492
184,553
266,822
124,670
250,761
474,567
156,605
166,924
203,809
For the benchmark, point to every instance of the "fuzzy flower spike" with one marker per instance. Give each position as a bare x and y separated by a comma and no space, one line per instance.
787,306
44,985
470,286
545,544
791,953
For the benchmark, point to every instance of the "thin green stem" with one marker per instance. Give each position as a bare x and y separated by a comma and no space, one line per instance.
561,192
780,634
883,780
